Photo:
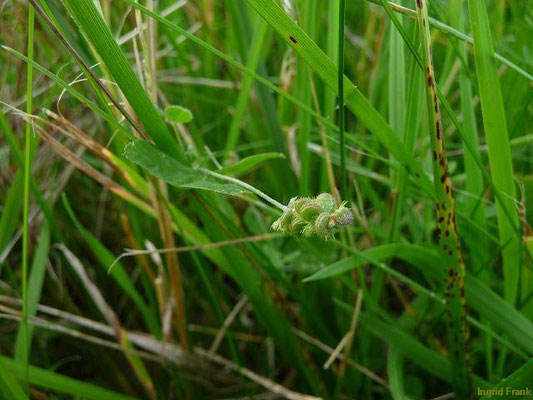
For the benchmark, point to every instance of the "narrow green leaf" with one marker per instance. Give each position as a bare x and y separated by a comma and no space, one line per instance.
36,279
494,122
517,385
9,387
247,164
50,380
170,170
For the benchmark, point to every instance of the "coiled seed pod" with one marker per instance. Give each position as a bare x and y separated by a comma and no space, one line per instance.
320,216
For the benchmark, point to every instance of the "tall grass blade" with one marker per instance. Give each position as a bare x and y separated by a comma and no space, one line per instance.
495,124
96,31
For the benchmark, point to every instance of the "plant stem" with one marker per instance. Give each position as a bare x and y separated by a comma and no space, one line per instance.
340,85
246,186
27,171
446,224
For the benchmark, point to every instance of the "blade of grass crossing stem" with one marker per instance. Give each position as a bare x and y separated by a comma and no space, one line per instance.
340,91
96,31
446,223
59,383
500,161
26,207
38,269
253,58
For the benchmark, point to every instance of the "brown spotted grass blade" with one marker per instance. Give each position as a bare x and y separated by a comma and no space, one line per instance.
449,243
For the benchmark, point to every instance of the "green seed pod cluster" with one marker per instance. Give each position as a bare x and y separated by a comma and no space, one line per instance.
319,216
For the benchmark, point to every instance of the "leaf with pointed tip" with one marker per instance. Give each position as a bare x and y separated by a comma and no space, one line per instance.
170,170
247,164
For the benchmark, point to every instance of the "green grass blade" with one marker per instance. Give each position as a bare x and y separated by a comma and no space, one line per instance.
36,279
494,122
248,164
64,85
98,34
516,385
253,59
12,206
52,381
9,387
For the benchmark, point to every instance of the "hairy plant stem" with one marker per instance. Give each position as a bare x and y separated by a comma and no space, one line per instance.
246,186
446,224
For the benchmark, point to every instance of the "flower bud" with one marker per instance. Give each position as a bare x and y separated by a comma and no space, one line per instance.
327,201
343,216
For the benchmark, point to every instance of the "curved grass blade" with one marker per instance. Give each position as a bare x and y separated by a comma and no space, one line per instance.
60,383
494,122
98,34
516,385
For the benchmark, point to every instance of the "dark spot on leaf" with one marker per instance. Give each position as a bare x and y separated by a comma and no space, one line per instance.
292,39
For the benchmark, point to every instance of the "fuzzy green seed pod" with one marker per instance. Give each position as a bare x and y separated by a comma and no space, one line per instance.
320,216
